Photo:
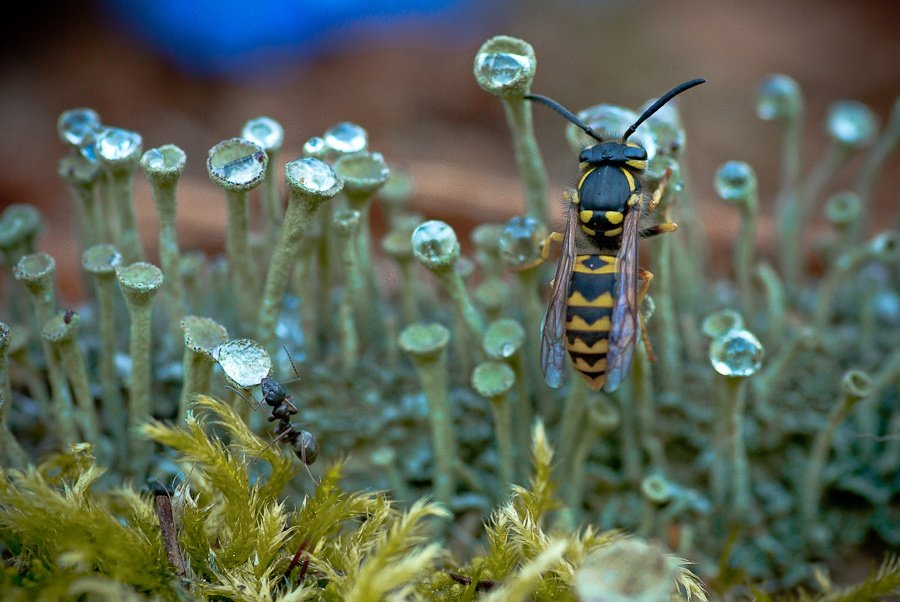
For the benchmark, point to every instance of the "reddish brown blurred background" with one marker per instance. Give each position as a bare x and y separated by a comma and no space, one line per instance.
416,96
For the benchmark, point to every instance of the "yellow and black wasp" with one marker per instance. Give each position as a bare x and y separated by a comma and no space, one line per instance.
593,309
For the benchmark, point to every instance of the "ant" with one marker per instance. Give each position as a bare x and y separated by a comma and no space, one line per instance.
302,443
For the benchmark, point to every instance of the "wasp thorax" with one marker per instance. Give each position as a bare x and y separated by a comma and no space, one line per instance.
612,152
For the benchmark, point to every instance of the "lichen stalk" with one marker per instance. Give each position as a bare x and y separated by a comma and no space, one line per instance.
36,272
426,344
644,401
345,225
197,368
121,196
13,454
100,262
62,335
163,185
572,418
775,299
856,385
797,213
732,452
83,178
303,203
237,247
867,176
885,247
139,283
528,157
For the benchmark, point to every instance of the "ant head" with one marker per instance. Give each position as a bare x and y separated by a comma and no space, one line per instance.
272,391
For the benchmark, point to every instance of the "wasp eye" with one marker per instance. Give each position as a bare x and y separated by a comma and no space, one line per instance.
635,152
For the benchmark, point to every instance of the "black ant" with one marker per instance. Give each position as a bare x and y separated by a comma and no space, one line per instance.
303,444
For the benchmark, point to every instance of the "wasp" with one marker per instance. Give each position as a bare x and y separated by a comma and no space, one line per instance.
593,309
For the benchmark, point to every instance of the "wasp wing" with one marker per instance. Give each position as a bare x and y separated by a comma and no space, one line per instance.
553,327
624,333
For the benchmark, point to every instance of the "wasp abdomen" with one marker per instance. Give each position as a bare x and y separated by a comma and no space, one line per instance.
588,315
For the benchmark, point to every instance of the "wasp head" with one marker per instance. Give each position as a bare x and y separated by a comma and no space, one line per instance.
615,153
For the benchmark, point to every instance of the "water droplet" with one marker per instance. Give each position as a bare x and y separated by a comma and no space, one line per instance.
435,245
244,361
778,97
665,128
236,164
735,181
520,242
505,66
503,69
362,172
346,137
736,353
312,176
165,160
115,145
315,147
852,123
78,126
610,122
264,131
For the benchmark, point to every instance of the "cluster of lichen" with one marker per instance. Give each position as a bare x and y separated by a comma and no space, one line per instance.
754,470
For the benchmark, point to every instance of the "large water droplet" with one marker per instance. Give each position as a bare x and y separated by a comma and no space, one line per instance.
852,123
735,181
778,97
736,353
435,245
237,164
610,122
346,137
503,69
264,131
244,361
520,241
312,175
115,145
78,126
665,128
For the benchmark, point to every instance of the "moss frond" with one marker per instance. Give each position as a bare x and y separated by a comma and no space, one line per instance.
69,534
520,586
885,582
539,498
397,556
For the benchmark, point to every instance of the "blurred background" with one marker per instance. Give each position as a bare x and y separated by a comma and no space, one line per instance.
191,73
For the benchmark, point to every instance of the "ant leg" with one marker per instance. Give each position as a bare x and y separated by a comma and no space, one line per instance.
645,276
660,191
242,396
282,436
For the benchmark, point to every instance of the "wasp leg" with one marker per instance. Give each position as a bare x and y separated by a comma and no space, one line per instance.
645,276
660,191
658,229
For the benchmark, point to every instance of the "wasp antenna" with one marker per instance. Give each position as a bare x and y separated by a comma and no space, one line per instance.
660,102
565,113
